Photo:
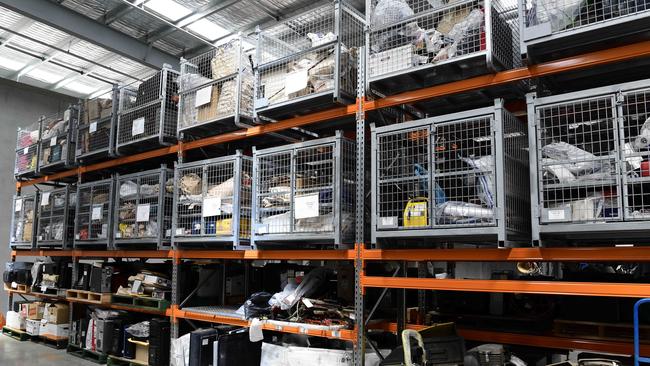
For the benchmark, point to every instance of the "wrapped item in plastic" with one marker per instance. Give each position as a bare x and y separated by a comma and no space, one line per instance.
140,330
560,172
389,11
257,305
128,189
458,32
578,161
458,212
180,351
226,103
314,283
190,184
289,288
562,14
642,141
319,39
483,178
106,314
225,60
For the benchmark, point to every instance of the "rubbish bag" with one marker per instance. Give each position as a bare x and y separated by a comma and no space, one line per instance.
257,305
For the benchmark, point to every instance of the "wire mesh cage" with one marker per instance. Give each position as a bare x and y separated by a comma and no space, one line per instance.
148,114
216,91
417,43
212,202
549,27
591,163
309,61
56,213
57,141
94,214
143,211
23,222
27,146
96,128
305,192
454,178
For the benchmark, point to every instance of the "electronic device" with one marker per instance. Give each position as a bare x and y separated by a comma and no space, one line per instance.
201,345
159,334
101,279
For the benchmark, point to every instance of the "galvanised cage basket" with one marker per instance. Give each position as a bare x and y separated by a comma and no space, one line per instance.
94,214
24,221
96,130
27,146
57,141
56,213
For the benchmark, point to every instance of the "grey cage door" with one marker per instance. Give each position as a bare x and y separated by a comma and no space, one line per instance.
93,212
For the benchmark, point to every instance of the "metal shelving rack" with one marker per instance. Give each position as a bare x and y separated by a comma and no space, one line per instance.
95,137
57,141
360,255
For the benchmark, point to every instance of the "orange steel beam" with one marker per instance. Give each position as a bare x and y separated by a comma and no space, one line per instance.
41,253
268,254
512,286
165,254
595,254
592,59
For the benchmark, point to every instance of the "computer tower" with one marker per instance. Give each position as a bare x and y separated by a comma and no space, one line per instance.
117,345
101,279
201,345
105,334
159,334
236,348
82,282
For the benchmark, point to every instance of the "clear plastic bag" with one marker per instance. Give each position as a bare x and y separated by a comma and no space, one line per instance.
140,330
578,161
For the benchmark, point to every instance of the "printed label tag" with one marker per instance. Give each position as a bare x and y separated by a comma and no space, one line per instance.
211,206
138,126
203,96
19,205
45,200
306,206
143,212
53,141
556,214
93,127
97,213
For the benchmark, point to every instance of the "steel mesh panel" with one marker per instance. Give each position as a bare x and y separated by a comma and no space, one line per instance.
223,81
245,201
144,204
635,149
567,15
517,174
23,220
96,128
148,112
27,141
348,198
577,143
56,212
93,213
273,191
57,142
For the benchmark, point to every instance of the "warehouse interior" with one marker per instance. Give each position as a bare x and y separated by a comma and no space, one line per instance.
328,182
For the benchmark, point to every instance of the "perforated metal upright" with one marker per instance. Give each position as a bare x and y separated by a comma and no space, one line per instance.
27,147
94,214
589,165
420,43
305,192
457,177
216,91
56,213
57,142
360,222
96,129
308,62
24,221
212,202
557,28
148,114
142,216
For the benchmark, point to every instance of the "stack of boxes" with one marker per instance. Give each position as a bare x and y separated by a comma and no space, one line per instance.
41,319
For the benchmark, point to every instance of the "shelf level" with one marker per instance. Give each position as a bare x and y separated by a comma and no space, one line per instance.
195,254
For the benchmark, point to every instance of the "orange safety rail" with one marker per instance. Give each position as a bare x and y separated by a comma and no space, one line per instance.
596,254
41,253
635,290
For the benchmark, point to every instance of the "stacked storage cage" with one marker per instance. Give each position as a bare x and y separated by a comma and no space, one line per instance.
57,141
27,145
96,129
143,209
461,177
212,202
148,114
308,62
216,91
421,43
305,192
56,213
589,164
23,221
94,214
553,28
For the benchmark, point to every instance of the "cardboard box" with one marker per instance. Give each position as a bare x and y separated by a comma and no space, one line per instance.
141,350
15,321
54,330
57,313
32,327
92,109
33,310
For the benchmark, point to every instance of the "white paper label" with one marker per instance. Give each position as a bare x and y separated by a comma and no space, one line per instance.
263,229
43,288
205,341
97,213
143,212
307,303
66,115
136,286
53,141
203,96
19,205
14,285
180,231
211,206
26,151
306,206
295,81
45,200
388,221
138,126
556,214
93,127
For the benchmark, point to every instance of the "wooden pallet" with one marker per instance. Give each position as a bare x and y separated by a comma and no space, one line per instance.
51,341
88,297
599,331
50,291
141,302
17,334
92,356
23,289
121,361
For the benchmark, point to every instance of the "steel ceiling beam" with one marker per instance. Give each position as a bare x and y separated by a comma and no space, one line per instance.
92,31
89,71
69,41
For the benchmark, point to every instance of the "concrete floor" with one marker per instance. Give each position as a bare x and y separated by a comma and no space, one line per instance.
16,353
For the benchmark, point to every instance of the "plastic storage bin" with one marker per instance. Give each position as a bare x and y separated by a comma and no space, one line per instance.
305,193
460,177
590,170
212,202
216,91
96,128
308,62
94,214
56,212
148,114
27,146
57,141
143,211
24,222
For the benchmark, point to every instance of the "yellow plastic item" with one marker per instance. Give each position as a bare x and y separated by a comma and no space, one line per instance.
416,213
224,226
